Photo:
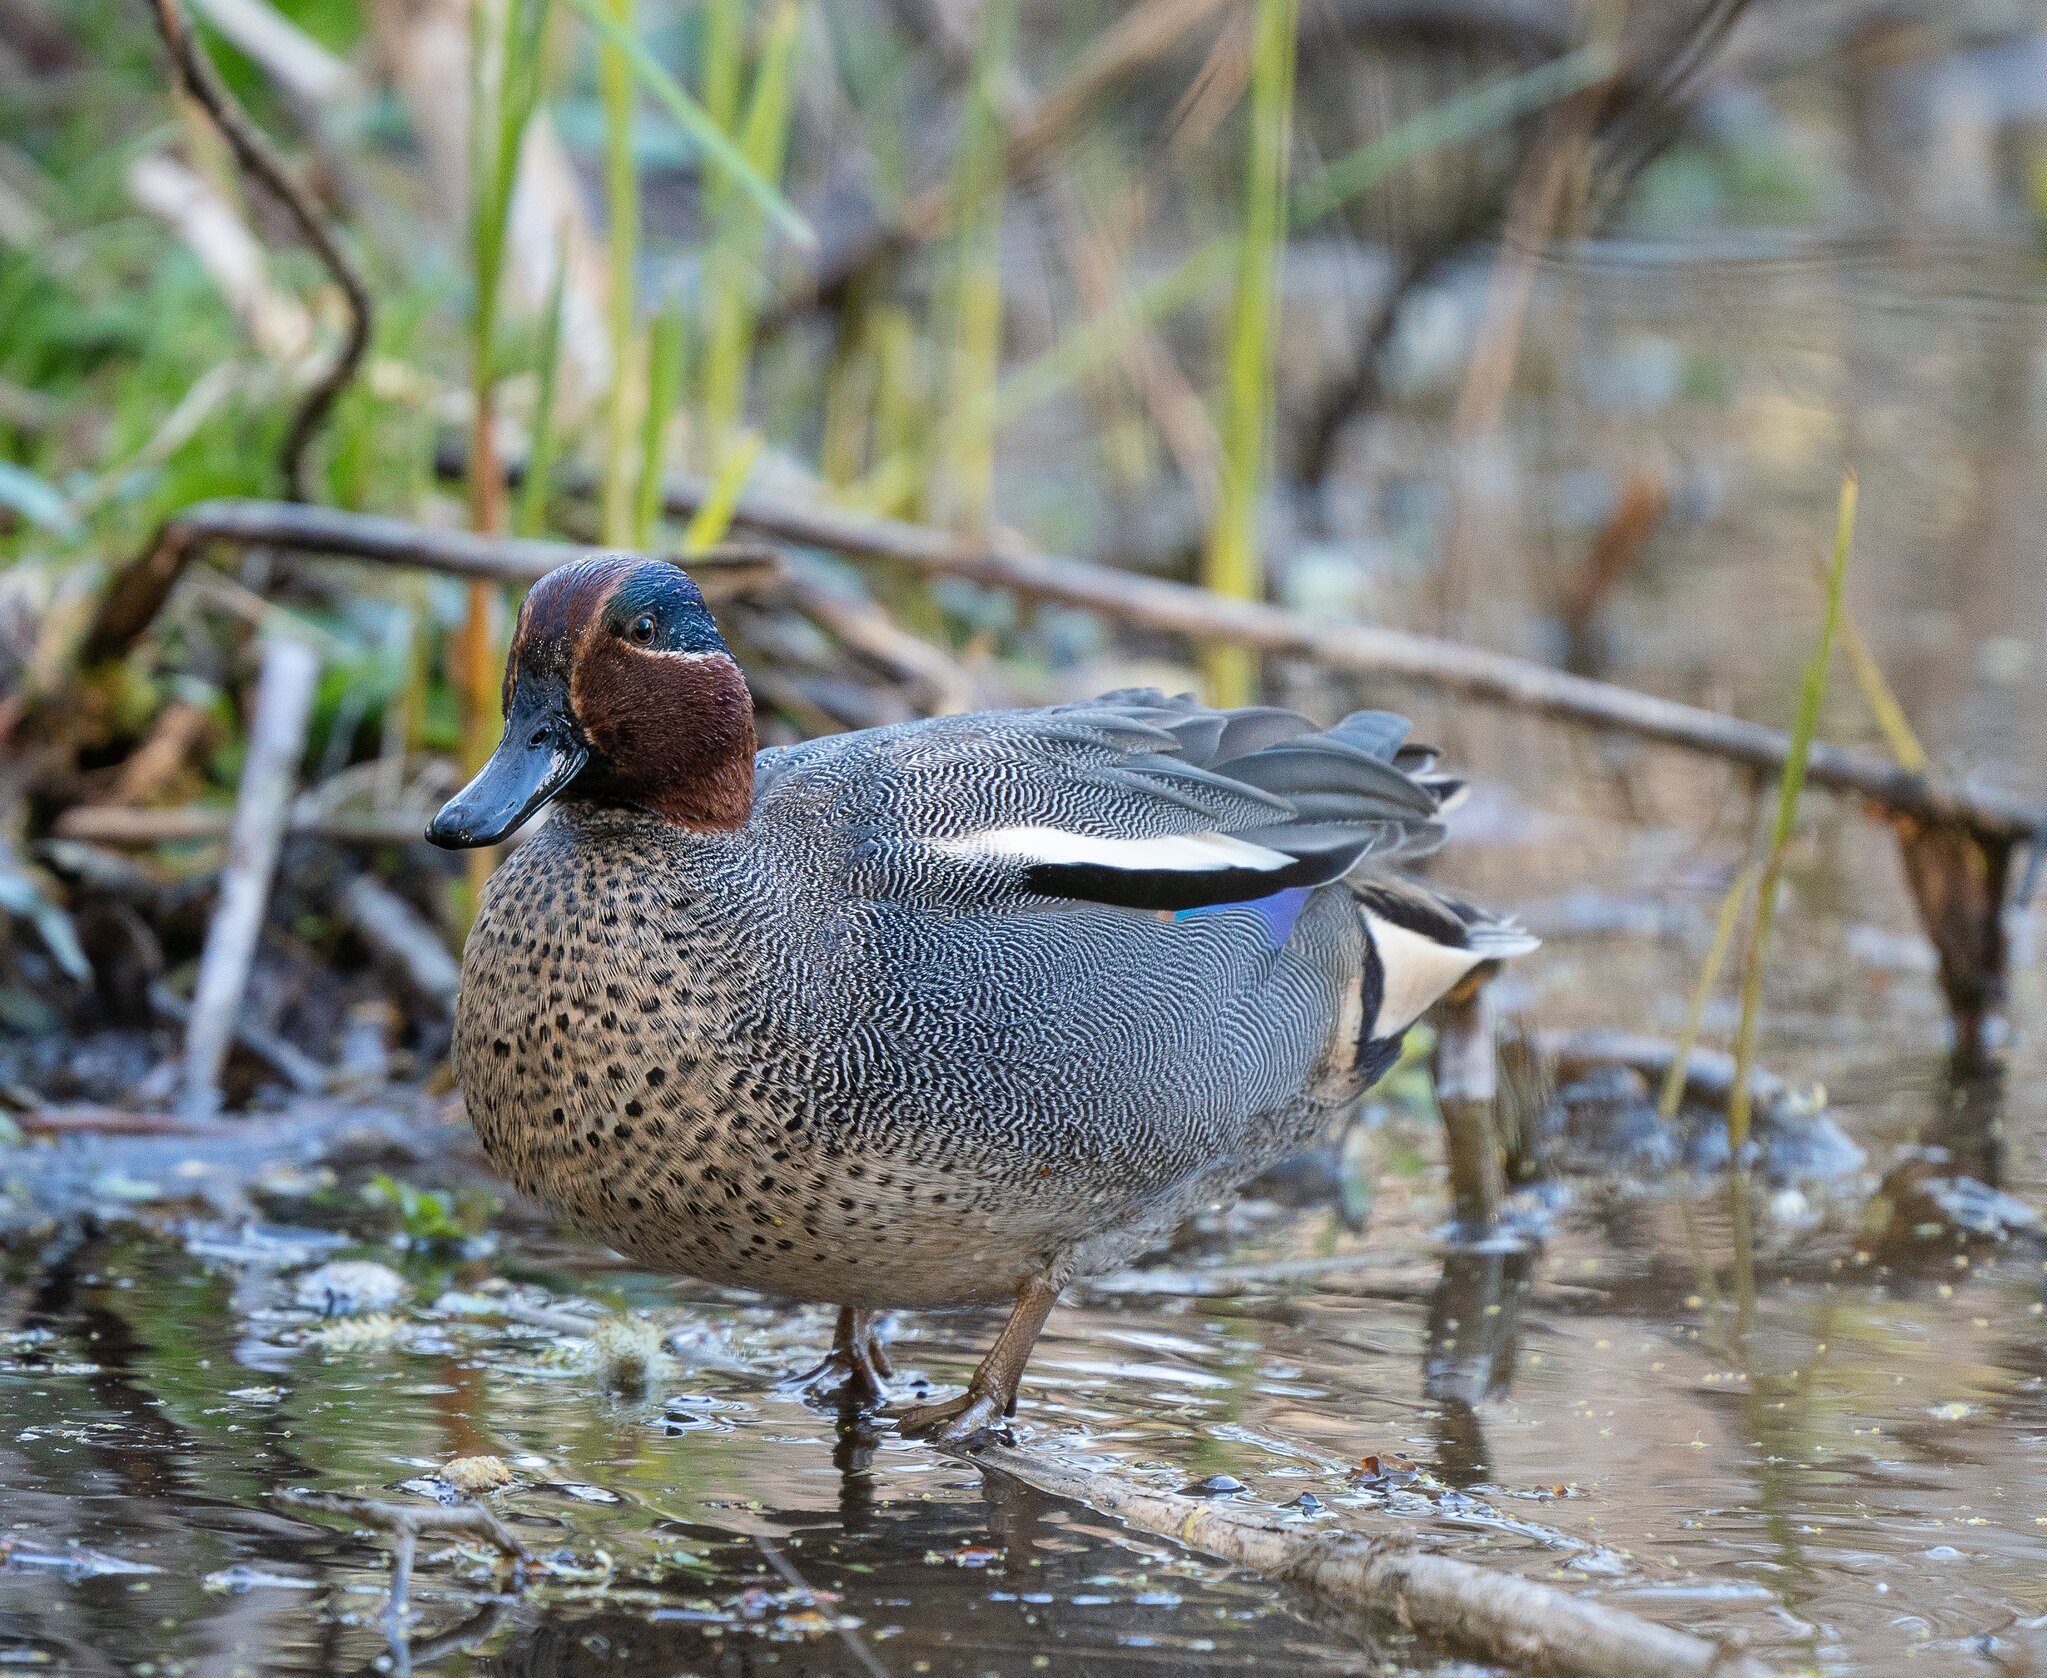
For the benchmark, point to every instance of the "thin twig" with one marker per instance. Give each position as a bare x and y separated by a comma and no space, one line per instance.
407,1523
134,827
795,1581
254,151
137,592
1005,560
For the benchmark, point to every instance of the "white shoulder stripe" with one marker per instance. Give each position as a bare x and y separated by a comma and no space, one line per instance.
1178,853
1417,970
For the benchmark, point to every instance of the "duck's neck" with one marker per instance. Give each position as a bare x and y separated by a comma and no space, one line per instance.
674,735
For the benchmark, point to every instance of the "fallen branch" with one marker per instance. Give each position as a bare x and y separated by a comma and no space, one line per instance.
1500,1616
132,827
287,1060
137,592
1005,561
84,1120
277,737
255,153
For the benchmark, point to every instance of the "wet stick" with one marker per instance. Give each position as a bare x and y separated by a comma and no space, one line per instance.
1499,1615
1232,564
1740,1101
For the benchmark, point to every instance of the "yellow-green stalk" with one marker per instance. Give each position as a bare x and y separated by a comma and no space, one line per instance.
531,515
1702,993
973,336
1232,565
1803,727
724,60
664,387
733,264
622,203
500,106
713,517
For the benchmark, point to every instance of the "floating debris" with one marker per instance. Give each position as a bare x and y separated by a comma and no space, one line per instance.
358,1334
478,1474
349,1287
628,1357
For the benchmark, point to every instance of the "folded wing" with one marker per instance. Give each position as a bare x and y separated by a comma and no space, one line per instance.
1135,798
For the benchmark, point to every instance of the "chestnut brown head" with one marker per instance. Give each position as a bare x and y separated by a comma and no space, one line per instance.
619,689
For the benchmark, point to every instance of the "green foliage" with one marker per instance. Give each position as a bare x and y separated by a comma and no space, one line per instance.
431,1218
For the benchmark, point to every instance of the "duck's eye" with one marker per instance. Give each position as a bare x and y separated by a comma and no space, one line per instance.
642,630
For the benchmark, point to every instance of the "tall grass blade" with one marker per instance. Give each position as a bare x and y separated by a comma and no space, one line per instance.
1793,783
1673,1092
506,66
664,387
622,201
530,517
617,35
1891,722
723,52
973,328
1232,563
714,517
734,261
1467,116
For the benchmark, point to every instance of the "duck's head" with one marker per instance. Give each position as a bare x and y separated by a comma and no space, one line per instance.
618,689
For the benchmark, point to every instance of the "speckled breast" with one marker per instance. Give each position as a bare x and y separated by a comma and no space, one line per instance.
635,1051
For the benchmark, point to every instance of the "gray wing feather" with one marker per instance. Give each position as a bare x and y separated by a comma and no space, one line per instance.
1134,765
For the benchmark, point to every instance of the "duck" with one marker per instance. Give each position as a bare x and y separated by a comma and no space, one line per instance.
940,1014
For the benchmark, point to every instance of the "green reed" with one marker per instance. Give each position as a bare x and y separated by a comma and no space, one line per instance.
1232,564
1812,692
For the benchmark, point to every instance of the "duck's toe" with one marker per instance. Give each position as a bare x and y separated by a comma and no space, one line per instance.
952,1422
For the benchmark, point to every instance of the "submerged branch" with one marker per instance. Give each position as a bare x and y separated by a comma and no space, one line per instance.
1499,1615
406,1523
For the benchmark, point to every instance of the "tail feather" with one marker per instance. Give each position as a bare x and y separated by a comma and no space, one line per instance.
1426,942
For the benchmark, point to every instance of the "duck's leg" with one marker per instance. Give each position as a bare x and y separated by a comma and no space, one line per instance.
991,1394
857,1363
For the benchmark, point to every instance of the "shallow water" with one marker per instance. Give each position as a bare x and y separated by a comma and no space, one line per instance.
1841,1459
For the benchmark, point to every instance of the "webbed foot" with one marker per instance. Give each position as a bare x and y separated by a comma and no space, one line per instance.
952,1422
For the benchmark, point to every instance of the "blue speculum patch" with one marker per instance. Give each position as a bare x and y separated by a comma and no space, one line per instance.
1278,912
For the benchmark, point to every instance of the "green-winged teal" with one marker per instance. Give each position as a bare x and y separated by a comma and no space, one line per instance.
931,1015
